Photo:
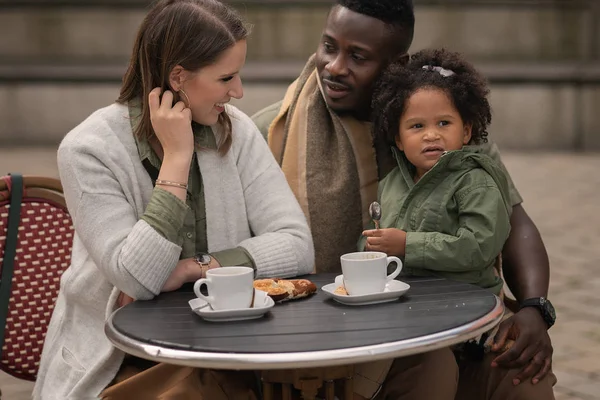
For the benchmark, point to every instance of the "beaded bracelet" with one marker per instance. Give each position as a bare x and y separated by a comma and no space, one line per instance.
173,184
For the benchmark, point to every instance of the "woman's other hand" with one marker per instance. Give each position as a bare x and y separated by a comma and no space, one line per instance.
123,299
173,129
172,124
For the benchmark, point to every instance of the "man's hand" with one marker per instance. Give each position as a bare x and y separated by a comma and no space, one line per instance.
391,241
532,350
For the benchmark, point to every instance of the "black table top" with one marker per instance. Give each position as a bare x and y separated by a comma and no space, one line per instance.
307,332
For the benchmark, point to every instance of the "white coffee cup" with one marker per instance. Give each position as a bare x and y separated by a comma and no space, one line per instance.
366,272
228,287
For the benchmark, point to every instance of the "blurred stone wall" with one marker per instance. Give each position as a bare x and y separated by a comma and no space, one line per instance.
58,63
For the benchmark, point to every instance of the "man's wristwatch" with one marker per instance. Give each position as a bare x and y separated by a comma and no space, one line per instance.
545,308
203,260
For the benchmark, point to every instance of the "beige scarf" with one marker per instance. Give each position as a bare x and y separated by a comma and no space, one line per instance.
330,164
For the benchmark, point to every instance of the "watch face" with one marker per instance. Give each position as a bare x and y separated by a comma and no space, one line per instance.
550,310
545,308
203,259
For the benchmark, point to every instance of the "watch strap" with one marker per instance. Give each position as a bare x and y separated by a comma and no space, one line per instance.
542,304
204,266
533,302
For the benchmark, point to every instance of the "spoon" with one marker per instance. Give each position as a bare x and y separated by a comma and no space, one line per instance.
375,213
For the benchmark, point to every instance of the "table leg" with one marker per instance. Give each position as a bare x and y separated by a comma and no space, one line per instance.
330,390
308,394
309,388
349,388
286,391
267,391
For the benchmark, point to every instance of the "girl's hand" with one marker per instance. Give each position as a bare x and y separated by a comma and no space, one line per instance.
172,124
390,241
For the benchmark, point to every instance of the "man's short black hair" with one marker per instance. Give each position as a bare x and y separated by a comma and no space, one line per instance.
397,13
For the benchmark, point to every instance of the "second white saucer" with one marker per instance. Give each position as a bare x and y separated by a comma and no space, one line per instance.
393,291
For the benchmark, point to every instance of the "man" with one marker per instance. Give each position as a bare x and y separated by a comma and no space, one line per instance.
320,134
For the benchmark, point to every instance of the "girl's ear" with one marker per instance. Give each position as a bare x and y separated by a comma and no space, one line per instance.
467,133
399,143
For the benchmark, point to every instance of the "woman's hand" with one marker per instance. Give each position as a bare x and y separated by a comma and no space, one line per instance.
390,241
172,124
123,299
173,129
185,271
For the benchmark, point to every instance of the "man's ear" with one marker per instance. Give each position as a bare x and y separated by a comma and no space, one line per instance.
467,133
403,59
177,76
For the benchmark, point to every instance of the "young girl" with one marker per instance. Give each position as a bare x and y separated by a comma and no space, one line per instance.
446,206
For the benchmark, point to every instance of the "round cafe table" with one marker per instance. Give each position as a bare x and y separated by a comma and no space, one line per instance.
307,333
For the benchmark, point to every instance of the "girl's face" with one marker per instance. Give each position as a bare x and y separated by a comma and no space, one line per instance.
211,87
429,126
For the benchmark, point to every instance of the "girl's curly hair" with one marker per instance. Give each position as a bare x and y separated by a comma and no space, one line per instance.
466,87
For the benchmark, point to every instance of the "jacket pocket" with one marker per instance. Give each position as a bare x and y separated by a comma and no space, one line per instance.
62,375
70,372
69,358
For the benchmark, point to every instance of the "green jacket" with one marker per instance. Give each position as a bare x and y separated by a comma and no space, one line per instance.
457,216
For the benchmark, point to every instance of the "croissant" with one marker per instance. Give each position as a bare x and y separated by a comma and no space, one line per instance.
285,289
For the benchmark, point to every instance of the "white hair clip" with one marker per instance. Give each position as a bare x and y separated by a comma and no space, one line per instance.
443,72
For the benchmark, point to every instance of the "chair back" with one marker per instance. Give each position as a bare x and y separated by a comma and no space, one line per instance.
36,236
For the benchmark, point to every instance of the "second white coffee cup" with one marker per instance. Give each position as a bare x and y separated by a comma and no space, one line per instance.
366,272
228,287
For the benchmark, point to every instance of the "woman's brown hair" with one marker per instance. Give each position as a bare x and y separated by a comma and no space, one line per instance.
190,33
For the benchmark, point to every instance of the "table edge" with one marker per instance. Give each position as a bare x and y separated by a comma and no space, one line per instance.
309,359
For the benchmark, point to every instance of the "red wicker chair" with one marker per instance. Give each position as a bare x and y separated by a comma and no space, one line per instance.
31,270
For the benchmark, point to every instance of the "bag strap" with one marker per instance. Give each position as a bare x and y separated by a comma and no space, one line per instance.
10,250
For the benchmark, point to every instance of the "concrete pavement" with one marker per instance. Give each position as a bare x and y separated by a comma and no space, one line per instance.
562,195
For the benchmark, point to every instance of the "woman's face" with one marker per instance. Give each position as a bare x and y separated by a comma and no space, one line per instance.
210,88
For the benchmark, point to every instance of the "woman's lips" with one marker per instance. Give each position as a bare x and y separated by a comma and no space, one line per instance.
220,107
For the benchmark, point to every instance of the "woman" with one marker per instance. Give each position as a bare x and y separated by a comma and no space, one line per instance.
163,185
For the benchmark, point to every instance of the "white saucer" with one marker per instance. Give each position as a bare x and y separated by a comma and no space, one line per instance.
392,292
262,304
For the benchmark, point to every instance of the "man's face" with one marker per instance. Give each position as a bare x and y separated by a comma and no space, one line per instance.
353,51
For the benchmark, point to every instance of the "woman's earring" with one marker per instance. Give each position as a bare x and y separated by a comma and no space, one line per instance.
187,99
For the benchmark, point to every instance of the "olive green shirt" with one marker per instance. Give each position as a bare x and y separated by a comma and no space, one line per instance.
184,223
